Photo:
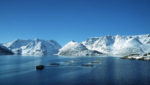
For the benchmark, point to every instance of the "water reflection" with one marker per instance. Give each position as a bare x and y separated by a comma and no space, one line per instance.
120,72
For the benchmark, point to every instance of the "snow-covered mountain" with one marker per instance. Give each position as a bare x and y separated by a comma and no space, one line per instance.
35,47
5,51
111,45
120,45
77,49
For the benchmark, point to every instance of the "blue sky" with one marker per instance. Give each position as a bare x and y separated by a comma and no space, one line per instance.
65,20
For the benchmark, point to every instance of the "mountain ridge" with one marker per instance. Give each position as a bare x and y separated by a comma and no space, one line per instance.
36,47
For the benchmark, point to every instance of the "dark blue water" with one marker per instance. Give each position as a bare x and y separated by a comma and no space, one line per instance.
19,70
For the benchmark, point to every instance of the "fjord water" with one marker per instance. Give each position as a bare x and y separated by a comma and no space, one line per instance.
20,70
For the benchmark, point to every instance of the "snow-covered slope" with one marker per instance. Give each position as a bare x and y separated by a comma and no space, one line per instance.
35,47
5,51
120,45
110,45
101,44
77,49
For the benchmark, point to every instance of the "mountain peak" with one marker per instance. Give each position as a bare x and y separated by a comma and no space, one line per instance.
77,49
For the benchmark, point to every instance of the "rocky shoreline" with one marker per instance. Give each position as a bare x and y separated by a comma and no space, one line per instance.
145,57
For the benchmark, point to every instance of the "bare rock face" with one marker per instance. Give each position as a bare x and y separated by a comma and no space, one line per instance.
5,51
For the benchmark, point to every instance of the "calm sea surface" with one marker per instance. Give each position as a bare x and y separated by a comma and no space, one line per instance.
20,70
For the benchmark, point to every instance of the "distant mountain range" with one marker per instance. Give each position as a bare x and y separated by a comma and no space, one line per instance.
97,46
36,47
109,45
